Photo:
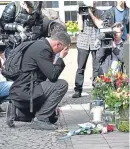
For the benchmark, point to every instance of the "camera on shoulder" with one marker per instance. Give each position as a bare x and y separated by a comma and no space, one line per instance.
83,10
106,36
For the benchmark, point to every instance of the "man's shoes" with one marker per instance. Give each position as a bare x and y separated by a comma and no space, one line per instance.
54,117
77,94
43,125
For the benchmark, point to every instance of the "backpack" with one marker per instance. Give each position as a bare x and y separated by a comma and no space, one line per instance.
12,66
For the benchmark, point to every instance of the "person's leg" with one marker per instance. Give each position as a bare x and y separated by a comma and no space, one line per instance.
4,88
95,65
82,60
53,94
7,51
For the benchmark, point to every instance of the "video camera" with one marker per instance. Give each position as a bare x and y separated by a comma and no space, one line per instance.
106,36
83,10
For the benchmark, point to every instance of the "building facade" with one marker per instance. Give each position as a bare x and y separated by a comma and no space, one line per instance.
68,9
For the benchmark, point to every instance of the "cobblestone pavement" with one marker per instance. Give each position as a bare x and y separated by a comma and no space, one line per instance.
23,137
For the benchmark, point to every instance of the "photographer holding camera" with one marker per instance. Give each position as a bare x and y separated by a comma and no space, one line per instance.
119,13
21,21
89,20
112,58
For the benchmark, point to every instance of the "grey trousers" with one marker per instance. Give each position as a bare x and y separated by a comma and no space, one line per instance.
53,93
82,61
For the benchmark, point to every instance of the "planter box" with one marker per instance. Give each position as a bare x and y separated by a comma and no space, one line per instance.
73,37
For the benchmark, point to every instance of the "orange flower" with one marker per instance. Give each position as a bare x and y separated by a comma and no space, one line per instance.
107,80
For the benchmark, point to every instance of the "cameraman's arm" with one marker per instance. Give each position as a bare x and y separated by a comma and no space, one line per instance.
80,22
97,22
118,51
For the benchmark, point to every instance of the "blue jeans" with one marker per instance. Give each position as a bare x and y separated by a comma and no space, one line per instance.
7,51
4,88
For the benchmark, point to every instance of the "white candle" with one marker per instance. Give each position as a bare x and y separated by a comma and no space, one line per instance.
97,113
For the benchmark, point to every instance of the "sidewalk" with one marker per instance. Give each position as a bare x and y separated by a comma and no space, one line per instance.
74,114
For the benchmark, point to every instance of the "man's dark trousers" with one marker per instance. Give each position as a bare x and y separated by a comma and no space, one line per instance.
82,60
53,93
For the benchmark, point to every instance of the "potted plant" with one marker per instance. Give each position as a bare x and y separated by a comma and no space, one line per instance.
72,28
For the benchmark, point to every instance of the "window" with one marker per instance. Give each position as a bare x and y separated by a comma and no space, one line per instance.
105,3
68,3
50,4
70,15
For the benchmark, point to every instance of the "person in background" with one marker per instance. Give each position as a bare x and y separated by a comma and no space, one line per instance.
113,58
120,13
88,25
21,21
4,85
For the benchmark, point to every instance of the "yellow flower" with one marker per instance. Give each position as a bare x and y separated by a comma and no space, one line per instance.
124,76
119,90
99,79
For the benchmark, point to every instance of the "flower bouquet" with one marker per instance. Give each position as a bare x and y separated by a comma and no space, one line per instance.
114,91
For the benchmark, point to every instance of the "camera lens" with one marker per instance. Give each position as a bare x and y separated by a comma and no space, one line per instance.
106,42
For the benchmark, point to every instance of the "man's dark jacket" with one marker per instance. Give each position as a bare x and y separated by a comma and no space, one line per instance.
38,59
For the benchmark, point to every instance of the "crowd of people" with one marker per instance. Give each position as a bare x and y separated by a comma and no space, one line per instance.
36,91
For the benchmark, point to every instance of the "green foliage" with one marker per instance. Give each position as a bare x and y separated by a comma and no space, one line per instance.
124,126
112,101
72,26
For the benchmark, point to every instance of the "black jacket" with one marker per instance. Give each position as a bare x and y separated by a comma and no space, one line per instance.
39,58
32,22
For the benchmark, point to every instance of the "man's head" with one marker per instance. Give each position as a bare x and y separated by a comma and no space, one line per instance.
120,4
59,41
118,29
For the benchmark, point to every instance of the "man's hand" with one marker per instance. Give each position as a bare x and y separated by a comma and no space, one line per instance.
116,29
114,45
64,52
89,11
20,28
23,36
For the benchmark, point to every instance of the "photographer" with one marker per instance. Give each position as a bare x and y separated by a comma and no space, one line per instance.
88,24
21,21
120,13
112,58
